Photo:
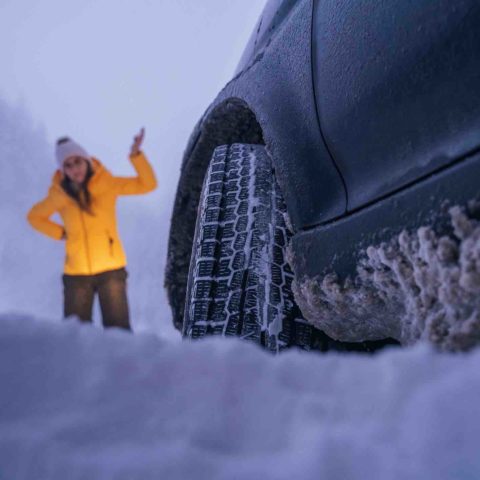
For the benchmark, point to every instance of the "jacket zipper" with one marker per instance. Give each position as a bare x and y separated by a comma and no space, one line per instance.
85,237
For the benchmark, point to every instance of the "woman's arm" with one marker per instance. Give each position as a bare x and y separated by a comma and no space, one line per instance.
145,180
39,218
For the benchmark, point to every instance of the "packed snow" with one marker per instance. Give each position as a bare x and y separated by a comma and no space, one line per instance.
81,403
419,285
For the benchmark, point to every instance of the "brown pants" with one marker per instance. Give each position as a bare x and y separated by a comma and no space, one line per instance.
111,286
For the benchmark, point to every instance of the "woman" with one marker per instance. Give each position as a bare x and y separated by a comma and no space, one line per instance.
84,193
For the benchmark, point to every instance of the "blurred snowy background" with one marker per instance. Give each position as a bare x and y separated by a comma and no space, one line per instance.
98,71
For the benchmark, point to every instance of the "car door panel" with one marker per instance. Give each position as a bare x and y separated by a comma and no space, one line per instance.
397,88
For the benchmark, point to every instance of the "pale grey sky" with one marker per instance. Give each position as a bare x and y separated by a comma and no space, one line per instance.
98,70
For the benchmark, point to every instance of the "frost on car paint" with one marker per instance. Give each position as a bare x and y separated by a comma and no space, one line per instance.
417,286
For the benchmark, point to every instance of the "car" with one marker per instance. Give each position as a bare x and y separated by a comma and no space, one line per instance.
349,127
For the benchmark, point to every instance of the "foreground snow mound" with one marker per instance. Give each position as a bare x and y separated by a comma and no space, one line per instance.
78,402
420,285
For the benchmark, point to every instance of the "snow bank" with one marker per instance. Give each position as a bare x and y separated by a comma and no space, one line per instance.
81,403
420,285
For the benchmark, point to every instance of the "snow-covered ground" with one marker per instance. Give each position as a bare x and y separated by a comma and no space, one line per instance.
81,403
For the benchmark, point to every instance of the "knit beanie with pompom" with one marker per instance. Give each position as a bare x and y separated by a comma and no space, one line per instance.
66,147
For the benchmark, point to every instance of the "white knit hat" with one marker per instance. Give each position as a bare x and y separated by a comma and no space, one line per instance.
68,148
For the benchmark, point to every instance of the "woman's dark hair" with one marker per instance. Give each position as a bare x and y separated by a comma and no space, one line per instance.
80,193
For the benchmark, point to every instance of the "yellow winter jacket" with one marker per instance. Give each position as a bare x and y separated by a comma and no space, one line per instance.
92,241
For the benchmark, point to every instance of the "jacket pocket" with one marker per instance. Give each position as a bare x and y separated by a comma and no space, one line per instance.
111,241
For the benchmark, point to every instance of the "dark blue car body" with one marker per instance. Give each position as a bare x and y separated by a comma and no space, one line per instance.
370,112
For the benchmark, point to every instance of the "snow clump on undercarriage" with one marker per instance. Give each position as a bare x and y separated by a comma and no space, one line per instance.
418,286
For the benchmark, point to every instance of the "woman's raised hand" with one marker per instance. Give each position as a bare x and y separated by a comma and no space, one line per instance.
137,142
